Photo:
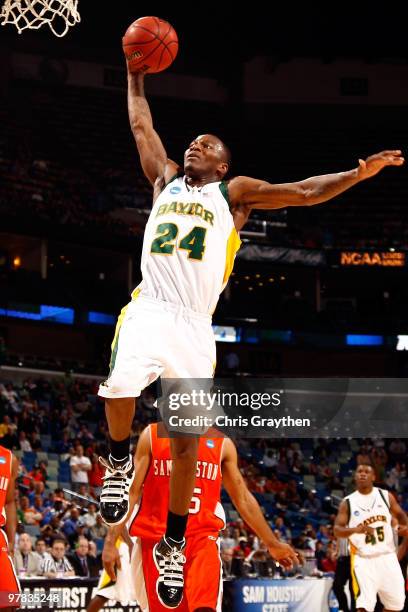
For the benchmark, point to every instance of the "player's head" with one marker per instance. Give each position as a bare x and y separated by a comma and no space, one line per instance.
364,476
208,156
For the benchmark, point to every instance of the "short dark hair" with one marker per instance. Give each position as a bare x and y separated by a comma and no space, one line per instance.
368,463
59,539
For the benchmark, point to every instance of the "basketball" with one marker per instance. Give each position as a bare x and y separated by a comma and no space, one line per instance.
150,45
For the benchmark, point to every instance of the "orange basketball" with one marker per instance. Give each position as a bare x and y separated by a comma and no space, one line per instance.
150,45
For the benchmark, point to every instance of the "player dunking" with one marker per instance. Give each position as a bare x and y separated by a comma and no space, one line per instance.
217,461
365,518
9,585
189,246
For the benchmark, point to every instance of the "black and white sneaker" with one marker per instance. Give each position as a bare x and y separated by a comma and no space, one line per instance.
114,500
169,560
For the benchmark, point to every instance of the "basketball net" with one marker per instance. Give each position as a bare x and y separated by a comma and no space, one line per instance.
33,14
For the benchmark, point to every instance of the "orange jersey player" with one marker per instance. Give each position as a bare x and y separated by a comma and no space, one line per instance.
9,585
217,463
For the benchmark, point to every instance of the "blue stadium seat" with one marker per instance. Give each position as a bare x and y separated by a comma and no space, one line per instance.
32,530
29,459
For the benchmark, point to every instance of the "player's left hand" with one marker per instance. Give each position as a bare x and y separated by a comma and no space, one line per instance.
373,164
284,554
110,559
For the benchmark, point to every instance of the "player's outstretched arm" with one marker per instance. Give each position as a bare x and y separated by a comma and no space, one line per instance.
253,193
157,168
249,509
110,554
10,506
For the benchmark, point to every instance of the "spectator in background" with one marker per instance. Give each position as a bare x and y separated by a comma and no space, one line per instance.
96,472
25,445
39,506
270,458
11,397
85,436
36,488
52,531
379,461
36,441
93,551
312,504
243,549
36,474
30,516
10,439
99,530
364,455
329,562
41,549
398,450
69,526
58,566
227,541
63,445
323,534
84,564
394,476
4,426
26,561
284,532
90,517
43,469
319,553
80,466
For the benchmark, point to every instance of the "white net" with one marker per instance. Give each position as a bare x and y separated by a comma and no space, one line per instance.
32,14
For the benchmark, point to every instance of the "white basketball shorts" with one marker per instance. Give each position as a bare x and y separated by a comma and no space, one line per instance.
155,338
380,575
123,589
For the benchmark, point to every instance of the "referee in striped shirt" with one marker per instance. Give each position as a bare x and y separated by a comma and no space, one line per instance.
57,565
343,575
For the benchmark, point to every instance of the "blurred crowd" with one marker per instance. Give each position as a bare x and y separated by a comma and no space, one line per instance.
57,428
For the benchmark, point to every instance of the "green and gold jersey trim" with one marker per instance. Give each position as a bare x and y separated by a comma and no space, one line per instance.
233,245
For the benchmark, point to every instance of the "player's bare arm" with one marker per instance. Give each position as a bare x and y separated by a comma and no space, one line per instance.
249,509
400,515
340,525
110,554
248,193
157,168
10,506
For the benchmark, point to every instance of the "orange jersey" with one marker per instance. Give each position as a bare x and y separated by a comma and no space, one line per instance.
206,515
5,475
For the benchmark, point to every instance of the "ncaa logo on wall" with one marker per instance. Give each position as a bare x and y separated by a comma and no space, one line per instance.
210,443
2,460
175,189
356,513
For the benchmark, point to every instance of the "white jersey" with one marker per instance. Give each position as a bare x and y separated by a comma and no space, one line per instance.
373,510
189,246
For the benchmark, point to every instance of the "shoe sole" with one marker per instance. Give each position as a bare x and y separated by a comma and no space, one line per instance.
157,584
123,520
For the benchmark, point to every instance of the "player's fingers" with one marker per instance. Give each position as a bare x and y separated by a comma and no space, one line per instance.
118,563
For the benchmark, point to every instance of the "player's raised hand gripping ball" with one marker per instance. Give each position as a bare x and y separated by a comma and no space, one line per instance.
150,45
